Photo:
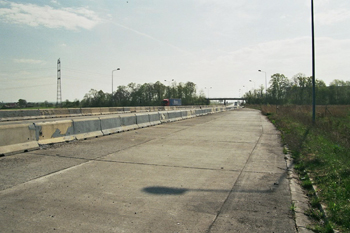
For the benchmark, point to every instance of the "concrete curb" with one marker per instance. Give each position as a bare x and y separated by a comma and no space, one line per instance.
299,199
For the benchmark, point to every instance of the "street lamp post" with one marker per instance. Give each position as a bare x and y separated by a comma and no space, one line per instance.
313,64
169,86
112,78
252,82
169,81
265,85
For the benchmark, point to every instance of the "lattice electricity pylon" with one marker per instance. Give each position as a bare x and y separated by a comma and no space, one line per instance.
59,90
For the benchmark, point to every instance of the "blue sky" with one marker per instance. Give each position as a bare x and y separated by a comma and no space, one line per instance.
218,45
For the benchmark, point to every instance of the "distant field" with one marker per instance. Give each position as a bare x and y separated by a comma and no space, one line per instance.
322,153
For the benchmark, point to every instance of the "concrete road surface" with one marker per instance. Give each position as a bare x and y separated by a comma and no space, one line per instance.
218,173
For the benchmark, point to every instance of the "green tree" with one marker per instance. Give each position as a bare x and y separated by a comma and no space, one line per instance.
160,90
339,92
122,96
95,98
22,103
278,89
189,92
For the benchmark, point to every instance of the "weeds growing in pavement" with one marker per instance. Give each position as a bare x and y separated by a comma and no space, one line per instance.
320,150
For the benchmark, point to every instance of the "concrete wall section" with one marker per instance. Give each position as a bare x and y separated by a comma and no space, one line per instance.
154,118
47,113
74,111
142,120
164,118
12,115
54,131
128,122
30,113
87,128
110,125
116,110
199,112
186,114
104,111
60,112
126,109
90,111
8,114
17,138
21,137
175,115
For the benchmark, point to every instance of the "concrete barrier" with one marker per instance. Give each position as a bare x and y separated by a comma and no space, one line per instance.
199,112
47,113
17,138
90,111
75,112
142,120
231,107
12,115
111,124
163,115
207,111
22,137
8,114
104,111
87,128
113,110
140,109
86,112
126,109
186,114
30,113
154,118
54,132
128,122
60,112
174,116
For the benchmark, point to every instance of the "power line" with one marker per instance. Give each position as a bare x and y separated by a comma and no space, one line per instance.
25,79
84,72
13,88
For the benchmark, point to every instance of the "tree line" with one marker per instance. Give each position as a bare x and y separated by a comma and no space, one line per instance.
298,90
147,94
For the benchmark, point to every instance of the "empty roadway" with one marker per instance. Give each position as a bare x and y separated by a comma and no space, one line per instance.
223,172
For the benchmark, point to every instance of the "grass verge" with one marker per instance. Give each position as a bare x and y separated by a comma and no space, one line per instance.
321,151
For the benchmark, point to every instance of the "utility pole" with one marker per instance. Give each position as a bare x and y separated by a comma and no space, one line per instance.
265,86
313,64
59,90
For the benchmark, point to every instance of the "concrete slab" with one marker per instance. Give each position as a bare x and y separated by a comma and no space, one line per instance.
215,173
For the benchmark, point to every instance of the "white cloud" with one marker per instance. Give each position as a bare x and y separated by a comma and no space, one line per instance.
333,16
288,56
28,61
34,15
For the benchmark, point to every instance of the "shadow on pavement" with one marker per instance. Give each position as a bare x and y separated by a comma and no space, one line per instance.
163,190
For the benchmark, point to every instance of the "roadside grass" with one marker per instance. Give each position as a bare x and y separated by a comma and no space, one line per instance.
321,151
